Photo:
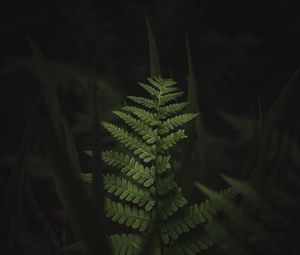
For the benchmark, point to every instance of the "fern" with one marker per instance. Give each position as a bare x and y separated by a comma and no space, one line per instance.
251,222
145,185
143,195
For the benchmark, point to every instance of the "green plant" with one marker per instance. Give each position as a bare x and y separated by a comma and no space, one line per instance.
144,195
254,221
261,215
141,189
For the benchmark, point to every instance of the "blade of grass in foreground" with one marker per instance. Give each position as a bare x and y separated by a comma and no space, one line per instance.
85,222
13,199
265,130
83,214
280,104
97,185
197,138
153,53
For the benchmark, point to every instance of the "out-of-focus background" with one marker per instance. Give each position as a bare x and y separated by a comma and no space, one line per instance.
243,53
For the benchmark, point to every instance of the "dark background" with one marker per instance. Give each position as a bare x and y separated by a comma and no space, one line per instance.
241,50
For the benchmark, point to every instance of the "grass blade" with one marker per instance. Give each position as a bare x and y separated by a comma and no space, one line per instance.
153,53
197,139
85,222
97,185
13,199
266,125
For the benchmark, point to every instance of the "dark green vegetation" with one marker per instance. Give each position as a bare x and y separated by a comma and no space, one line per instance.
200,196
257,215
146,180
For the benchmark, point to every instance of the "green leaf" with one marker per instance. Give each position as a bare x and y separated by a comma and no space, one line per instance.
172,205
126,244
13,197
162,163
179,120
166,98
173,108
80,212
277,108
166,185
126,190
129,215
149,103
148,134
131,167
192,245
97,190
188,219
170,140
148,117
239,218
195,149
76,247
153,53
139,148
152,91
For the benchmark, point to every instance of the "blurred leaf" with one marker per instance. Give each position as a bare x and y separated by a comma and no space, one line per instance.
153,53
13,200
278,107
97,168
76,247
84,220
265,129
244,125
280,160
36,165
194,166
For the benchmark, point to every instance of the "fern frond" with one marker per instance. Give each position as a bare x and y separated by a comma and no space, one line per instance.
170,90
149,103
248,227
166,98
162,163
258,206
168,82
139,148
250,195
229,193
173,108
126,244
170,140
76,247
225,239
188,219
207,209
190,246
129,215
149,135
86,177
152,91
164,86
172,205
160,83
218,199
129,166
151,186
126,190
148,117
172,123
165,185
